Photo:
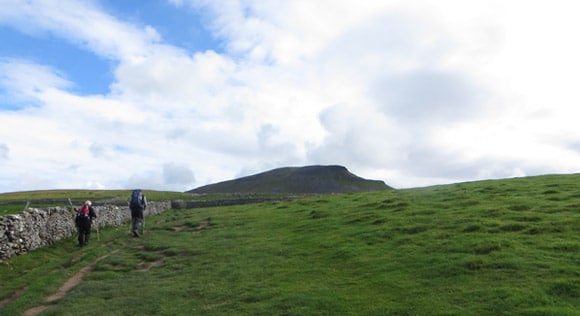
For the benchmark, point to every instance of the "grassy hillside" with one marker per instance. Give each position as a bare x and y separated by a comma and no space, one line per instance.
509,247
14,202
309,179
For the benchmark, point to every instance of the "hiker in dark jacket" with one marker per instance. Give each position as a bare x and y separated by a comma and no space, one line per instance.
83,220
138,204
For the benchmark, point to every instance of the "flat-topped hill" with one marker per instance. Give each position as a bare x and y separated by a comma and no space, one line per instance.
309,179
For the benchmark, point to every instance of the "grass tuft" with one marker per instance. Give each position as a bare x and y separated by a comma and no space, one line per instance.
482,248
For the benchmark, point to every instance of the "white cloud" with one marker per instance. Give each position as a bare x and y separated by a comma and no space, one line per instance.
170,177
82,23
145,181
95,185
177,3
178,174
411,92
4,150
359,137
25,81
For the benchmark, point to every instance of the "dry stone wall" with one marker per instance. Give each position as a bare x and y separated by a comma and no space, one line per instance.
34,228
180,204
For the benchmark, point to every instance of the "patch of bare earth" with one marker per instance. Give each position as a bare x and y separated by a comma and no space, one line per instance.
77,277
177,229
203,225
14,296
144,267
67,286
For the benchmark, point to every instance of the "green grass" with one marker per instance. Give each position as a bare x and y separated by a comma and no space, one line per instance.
14,202
508,247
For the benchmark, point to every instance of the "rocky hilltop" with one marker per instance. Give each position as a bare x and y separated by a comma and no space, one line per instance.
309,179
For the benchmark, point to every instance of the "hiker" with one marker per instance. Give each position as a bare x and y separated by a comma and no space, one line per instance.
138,204
83,220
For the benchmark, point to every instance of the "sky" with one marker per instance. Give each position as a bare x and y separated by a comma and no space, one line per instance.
176,94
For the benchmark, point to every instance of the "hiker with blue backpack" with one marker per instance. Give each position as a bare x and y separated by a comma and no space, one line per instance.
83,221
138,204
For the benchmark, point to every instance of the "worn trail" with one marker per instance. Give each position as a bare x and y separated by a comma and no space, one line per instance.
67,286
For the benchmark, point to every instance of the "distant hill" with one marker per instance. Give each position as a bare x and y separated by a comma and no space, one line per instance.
309,179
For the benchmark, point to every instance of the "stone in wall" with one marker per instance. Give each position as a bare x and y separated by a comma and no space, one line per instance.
34,228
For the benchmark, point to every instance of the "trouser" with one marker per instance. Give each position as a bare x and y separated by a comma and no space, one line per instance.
136,223
84,228
136,220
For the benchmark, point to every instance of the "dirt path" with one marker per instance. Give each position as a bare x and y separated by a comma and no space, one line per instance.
67,286
16,295
77,277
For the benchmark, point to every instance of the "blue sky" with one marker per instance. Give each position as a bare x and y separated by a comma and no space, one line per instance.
175,94
76,63
91,73
178,25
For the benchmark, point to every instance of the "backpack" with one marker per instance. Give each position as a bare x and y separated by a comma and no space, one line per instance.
83,212
136,199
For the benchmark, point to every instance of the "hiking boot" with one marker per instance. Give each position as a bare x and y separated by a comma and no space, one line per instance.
135,233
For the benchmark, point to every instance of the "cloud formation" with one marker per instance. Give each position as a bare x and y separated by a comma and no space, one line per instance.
4,150
413,93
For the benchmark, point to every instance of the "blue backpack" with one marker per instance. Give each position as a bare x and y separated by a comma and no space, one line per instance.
136,199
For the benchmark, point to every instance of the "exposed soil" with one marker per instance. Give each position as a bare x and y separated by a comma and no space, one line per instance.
77,277
69,284
203,225
144,267
16,295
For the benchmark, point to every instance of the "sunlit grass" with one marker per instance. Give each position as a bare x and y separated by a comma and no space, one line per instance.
508,247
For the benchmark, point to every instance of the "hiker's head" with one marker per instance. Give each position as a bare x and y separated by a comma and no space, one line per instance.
88,203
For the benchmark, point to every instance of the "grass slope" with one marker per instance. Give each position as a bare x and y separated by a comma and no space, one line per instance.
14,202
508,247
309,179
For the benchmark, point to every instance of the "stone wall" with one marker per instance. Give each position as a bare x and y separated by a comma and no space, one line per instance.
35,228
180,204
38,227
